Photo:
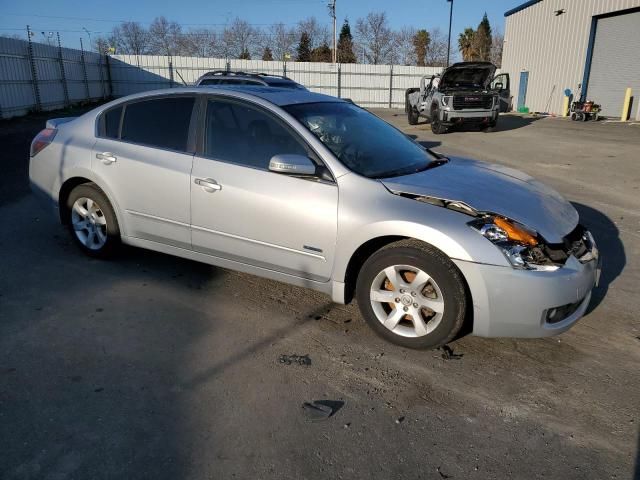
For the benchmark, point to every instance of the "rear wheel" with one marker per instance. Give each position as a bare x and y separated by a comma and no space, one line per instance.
412,116
412,295
92,221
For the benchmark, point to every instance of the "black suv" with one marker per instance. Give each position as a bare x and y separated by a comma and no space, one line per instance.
226,77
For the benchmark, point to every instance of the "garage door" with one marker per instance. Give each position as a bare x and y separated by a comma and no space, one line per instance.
615,64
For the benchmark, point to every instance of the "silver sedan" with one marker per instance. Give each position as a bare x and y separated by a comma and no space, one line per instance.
317,192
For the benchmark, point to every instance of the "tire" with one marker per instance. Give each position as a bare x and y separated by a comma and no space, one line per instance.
92,221
412,116
490,127
379,300
436,126
574,116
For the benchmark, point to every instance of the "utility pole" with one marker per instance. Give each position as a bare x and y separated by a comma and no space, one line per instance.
450,18
332,14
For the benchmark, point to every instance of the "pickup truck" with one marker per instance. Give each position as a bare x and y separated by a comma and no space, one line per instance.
465,93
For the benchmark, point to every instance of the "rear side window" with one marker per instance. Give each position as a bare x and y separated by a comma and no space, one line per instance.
111,123
162,122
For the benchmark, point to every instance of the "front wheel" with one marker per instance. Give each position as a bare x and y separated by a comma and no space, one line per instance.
412,295
92,221
436,125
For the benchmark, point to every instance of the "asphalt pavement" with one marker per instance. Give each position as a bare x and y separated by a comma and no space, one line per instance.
156,367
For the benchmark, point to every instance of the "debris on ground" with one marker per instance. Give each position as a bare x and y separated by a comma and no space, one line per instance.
304,360
399,420
442,474
447,353
321,409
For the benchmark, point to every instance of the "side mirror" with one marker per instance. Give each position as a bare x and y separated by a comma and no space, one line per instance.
498,86
292,164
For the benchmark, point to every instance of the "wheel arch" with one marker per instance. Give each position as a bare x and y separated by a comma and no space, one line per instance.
81,178
368,248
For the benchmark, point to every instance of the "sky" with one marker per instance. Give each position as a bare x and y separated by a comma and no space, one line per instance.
71,17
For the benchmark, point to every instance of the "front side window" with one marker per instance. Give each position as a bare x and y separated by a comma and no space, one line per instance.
237,133
161,122
361,141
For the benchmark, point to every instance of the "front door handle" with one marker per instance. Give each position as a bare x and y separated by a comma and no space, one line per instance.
107,157
208,184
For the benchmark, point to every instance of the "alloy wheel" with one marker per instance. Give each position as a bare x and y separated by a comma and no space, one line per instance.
89,223
407,301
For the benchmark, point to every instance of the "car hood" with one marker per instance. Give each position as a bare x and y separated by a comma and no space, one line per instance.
480,73
494,189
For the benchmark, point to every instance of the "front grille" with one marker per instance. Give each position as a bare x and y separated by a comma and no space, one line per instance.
462,102
576,243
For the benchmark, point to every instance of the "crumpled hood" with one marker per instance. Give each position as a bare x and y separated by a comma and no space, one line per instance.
496,189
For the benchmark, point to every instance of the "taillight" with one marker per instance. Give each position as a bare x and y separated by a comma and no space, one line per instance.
44,138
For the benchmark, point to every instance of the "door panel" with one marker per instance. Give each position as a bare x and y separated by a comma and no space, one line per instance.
151,187
265,219
505,92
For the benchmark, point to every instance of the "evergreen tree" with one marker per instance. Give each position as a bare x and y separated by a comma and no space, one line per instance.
421,41
267,55
245,55
345,45
322,54
482,41
304,48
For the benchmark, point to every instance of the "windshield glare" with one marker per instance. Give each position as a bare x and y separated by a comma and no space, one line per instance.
361,141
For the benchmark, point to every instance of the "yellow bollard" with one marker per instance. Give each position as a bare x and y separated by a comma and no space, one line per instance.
565,106
626,105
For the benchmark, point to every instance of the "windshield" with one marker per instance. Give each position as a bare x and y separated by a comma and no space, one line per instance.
361,141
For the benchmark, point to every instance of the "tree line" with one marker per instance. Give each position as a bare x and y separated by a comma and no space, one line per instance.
373,41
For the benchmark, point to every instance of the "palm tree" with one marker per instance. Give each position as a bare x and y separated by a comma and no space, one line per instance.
466,44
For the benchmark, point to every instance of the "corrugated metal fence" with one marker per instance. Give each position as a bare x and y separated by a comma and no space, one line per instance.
366,85
34,76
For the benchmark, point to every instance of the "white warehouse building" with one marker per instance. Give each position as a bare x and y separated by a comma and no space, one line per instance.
591,47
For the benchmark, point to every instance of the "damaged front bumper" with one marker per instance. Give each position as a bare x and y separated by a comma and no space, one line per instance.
508,302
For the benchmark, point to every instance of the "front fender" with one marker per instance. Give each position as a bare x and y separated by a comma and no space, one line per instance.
386,214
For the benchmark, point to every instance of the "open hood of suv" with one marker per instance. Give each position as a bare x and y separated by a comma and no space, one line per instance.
468,75
494,189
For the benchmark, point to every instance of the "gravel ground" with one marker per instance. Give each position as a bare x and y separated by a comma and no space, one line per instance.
157,367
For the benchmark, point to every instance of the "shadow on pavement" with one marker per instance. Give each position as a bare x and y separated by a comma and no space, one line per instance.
611,249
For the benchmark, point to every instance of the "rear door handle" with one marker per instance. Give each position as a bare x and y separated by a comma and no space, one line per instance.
208,184
107,157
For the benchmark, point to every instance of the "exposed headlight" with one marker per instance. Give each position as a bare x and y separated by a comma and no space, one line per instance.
496,100
445,101
520,245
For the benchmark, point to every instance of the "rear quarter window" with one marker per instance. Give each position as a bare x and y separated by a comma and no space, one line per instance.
110,127
161,122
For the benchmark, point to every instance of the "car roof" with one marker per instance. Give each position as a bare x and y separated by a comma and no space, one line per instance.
276,95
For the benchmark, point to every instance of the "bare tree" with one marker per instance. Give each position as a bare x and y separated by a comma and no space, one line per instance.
200,42
280,40
437,51
239,39
102,45
164,37
376,37
318,34
130,38
496,49
403,49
